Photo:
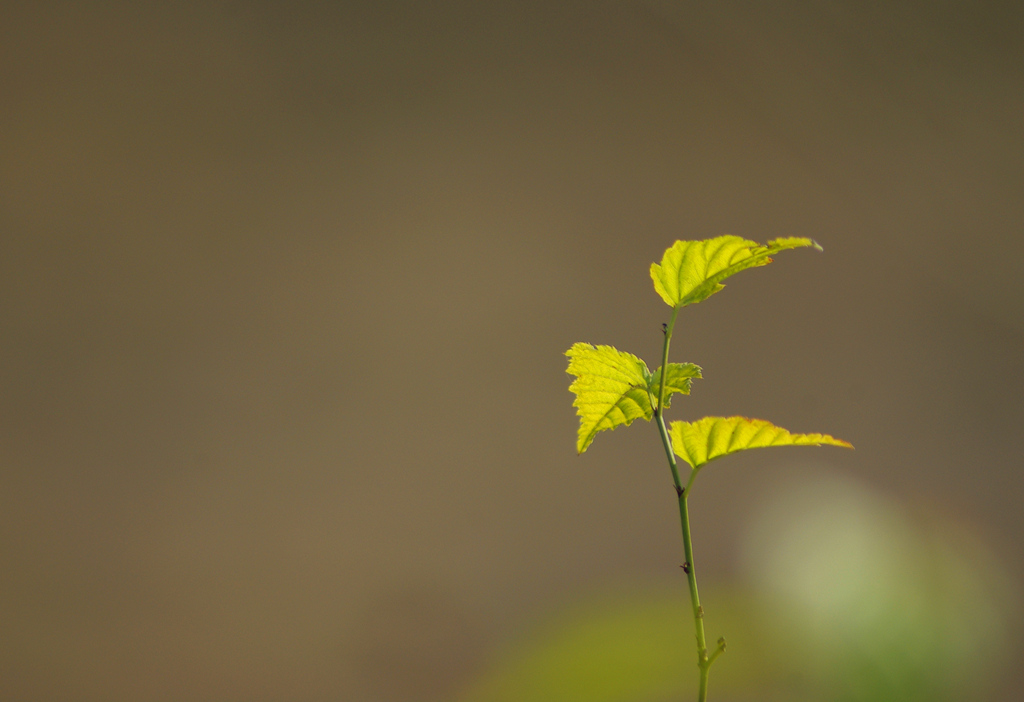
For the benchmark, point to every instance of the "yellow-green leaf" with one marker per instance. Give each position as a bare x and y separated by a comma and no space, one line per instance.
691,271
713,437
613,388
677,380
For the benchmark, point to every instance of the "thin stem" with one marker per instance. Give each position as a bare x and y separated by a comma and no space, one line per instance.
667,443
717,652
703,661
664,361
698,612
689,483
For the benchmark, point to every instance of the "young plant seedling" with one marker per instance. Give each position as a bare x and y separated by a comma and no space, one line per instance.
613,388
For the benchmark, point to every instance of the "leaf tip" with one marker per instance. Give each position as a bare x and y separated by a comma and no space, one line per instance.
816,246
577,348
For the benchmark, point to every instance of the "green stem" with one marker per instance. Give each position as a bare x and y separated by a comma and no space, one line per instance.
703,660
664,361
665,441
689,483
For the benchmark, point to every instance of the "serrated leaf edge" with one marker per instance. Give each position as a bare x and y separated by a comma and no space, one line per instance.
761,255
647,409
816,439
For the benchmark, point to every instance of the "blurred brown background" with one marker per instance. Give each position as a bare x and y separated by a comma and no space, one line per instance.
285,288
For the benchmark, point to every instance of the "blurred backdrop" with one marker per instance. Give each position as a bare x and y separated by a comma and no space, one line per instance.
284,293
